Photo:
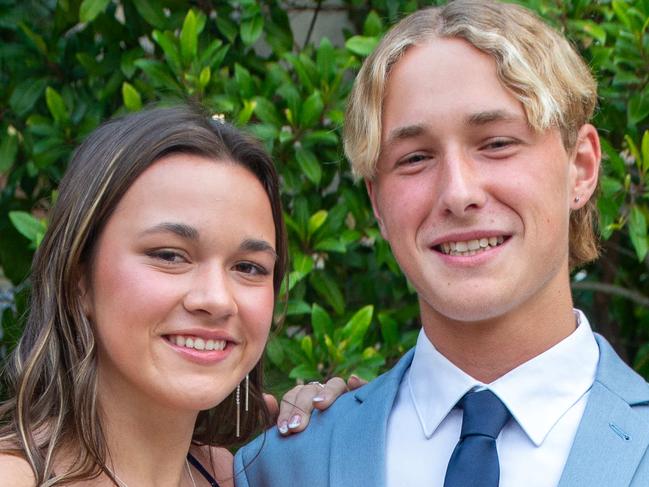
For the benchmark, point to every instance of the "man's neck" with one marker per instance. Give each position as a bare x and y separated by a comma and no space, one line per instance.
489,349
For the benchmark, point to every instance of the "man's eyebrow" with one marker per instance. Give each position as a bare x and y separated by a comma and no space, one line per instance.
405,132
257,245
490,116
180,229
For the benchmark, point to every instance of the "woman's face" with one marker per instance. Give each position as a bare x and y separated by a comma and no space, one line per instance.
180,289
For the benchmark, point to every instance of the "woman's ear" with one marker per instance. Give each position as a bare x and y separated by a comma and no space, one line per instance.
585,163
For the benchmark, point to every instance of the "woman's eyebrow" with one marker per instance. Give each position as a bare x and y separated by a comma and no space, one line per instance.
180,229
257,245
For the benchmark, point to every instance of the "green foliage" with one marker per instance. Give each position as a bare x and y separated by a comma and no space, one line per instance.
68,65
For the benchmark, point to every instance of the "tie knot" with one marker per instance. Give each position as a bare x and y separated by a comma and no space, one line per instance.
483,414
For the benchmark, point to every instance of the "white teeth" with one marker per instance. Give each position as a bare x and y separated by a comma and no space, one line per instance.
198,343
470,247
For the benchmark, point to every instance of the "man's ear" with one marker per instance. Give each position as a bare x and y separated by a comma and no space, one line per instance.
585,162
371,191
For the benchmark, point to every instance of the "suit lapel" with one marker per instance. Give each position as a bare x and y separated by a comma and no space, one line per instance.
612,437
359,440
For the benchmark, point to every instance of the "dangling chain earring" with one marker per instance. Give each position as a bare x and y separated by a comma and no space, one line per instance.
237,400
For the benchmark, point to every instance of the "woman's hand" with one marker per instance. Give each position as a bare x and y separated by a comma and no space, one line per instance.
298,403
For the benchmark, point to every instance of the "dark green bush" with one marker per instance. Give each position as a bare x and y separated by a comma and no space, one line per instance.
67,65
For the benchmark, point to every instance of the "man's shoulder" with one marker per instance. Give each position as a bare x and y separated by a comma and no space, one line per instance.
270,450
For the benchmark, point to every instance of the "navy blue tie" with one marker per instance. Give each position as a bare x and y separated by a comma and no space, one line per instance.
474,462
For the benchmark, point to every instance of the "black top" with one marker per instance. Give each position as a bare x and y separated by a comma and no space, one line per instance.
197,465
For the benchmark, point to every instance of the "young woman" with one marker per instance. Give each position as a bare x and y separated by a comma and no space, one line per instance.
152,298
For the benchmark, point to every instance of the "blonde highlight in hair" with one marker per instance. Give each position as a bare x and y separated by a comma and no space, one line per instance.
52,374
534,62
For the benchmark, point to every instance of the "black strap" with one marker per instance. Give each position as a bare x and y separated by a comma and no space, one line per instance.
197,465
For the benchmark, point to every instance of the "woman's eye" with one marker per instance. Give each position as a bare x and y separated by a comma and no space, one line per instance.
167,256
251,268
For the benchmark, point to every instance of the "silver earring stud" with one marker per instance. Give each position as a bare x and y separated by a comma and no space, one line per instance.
577,198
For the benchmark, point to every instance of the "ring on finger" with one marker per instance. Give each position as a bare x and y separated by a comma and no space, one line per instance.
316,383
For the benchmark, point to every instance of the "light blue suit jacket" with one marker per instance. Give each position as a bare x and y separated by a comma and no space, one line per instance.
345,445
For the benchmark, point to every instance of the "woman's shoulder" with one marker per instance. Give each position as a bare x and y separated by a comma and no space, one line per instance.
15,471
217,461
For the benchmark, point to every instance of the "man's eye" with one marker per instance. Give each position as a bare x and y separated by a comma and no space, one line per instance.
496,144
413,159
251,268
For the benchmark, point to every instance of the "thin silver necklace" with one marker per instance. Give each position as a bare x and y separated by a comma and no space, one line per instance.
124,484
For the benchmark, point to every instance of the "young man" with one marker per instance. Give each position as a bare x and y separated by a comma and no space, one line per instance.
469,124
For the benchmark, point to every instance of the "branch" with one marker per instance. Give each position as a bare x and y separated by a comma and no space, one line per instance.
313,19
601,287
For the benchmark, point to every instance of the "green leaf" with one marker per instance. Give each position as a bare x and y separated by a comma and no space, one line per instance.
361,45
326,59
316,220
645,151
389,329
189,38
373,26
157,73
251,29
304,371
309,164
638,108
275,351
56,106
26,94
151,11
28,225
247,111
620,8
36,39
8,149
311,110
132,99
89,9
638,232
355,329
266,111
321,323
306,344
302,263
330,245
204,77
226,27
328,288
167,42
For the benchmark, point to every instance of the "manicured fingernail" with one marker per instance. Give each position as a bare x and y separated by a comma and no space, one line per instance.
283,427
295,421
318,399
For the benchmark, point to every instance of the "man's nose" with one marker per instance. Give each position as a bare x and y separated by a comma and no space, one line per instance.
461,189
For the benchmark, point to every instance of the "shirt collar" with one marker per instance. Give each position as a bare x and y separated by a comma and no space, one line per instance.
537,393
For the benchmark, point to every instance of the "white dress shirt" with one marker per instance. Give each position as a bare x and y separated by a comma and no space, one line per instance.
546,397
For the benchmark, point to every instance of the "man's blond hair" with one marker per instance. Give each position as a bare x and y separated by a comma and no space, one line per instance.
534,62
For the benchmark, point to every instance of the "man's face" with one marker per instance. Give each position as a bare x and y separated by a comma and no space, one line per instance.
474,203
